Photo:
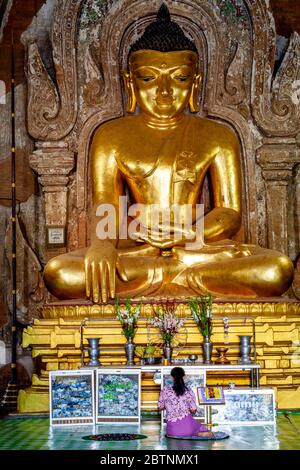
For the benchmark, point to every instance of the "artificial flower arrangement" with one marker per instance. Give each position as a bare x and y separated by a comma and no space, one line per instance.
128,317
201,309
166,321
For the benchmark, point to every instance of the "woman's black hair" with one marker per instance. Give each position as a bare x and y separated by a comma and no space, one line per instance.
179,386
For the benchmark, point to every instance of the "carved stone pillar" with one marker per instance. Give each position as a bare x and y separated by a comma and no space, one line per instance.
53,162
278,163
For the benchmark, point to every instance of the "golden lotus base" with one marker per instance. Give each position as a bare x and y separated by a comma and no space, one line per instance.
56,340
268,306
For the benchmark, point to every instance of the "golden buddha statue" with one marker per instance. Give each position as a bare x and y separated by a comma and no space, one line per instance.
161,156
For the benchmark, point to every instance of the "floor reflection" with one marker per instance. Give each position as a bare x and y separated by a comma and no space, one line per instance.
36,434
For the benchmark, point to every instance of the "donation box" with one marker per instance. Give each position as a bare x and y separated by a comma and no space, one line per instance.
118,395
72,397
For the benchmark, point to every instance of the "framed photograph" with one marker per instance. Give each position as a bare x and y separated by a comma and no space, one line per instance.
246,406
210,395
118,396
72,397
55,236
194,378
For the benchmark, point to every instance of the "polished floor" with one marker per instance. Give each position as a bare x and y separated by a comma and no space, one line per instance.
34,433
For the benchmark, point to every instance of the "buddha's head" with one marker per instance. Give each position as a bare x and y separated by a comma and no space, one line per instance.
162,75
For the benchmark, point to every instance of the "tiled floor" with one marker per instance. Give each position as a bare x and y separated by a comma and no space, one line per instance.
24,433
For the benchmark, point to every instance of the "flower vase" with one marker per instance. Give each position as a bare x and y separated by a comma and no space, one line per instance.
129,349
168,350
207,348
245,349
93,350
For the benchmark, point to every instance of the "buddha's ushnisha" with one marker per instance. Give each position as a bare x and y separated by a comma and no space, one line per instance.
163,35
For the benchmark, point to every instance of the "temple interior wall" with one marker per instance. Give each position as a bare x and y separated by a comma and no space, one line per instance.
35,22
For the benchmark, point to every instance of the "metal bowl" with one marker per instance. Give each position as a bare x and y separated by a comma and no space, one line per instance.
152,360
193,357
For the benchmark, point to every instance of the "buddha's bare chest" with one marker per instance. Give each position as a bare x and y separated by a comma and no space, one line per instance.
163,163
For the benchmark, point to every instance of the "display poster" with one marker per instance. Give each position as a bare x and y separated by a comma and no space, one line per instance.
210,395
246,406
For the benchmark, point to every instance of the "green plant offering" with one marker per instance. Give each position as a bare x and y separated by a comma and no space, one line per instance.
201,309
147,351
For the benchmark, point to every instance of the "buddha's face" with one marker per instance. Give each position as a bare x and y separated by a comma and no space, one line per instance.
162,81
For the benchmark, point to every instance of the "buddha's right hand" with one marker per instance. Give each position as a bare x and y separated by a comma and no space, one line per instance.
101,263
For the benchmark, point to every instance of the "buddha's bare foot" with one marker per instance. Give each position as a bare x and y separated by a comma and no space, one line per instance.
210,254
195,282
241,277
206,434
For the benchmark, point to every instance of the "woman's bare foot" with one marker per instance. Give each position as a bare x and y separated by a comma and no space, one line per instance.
205,434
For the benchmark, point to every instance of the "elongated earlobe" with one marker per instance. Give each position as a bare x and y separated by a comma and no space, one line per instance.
194,98
131,99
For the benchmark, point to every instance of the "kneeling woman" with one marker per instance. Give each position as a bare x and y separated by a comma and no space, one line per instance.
180,403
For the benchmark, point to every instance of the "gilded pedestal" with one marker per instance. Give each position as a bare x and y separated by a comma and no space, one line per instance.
277,324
